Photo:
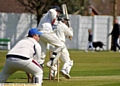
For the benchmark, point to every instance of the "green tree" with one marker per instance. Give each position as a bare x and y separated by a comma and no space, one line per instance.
77,6
39,7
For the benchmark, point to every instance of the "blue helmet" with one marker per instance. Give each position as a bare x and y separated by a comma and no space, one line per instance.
34,31
57,8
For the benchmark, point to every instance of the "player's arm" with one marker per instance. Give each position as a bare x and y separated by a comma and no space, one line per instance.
38,52
53,15
68,30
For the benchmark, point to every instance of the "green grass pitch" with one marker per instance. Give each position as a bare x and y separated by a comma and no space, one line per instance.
89,69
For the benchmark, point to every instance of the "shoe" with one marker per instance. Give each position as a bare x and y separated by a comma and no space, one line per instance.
86,50
65,74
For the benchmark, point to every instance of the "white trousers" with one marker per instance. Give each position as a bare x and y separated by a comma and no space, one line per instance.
90,44
14,64
52,39
65,57
64,54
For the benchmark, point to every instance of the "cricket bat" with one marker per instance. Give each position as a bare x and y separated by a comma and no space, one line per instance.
65,12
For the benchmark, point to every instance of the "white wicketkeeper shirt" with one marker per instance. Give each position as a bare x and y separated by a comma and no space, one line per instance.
27,47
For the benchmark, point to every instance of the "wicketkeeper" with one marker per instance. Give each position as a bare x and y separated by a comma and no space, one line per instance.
21,57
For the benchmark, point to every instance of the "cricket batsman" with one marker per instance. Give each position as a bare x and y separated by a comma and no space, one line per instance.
46,27
62,32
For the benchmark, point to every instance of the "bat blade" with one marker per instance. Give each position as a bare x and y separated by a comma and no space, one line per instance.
65,12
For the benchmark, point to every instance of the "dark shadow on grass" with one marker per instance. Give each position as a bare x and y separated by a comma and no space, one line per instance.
110,84
47,79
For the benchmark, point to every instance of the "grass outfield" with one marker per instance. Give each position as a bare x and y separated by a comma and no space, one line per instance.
90,69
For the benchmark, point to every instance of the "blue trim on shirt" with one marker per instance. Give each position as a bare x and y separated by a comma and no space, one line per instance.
34,50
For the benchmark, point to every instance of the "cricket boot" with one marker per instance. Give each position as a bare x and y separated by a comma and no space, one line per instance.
66,69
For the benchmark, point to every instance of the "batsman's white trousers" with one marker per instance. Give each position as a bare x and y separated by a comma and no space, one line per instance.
15,64
50,38
64,55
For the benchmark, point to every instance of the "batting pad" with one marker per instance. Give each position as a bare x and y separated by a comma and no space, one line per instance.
19,84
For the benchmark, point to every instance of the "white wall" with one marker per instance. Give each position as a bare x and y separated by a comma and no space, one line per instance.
101,26
15,27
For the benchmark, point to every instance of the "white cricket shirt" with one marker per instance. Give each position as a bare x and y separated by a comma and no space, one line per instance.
63,30
27,47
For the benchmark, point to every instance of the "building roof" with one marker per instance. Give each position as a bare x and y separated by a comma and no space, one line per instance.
94,10
15,6
9,6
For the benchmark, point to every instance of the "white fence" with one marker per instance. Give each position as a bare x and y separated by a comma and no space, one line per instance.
101,26
15,27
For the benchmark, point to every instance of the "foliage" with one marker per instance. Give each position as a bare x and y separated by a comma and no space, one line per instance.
39,7
77,6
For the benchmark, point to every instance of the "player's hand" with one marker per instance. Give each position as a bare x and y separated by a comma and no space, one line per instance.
42,65
59,18
70,37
